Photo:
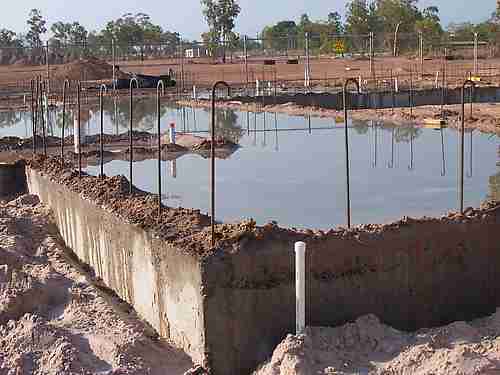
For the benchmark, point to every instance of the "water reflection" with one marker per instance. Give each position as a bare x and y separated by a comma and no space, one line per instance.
297,178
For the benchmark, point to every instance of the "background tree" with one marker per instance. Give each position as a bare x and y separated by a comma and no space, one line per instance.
37,28
69,33
220,16
357,15
335,23
430,25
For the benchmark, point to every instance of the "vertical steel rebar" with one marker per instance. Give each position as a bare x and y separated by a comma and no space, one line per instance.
461,149
411,166
114,63
421,53
443,166
160,91
66,86
393,95
344,92
131,149
308,67
443,96
32,87
245,51
391,163
79,119
37,88
475,53
48,68
372,70
212,150
470,171
102,90
411,93
42,118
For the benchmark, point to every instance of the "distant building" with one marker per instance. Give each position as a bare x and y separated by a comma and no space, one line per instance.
191,53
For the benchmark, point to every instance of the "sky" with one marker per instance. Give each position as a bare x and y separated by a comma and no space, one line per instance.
185,17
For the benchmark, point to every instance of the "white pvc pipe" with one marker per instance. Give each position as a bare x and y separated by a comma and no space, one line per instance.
194,93
396,84
300,287
257,87
75,134
172,133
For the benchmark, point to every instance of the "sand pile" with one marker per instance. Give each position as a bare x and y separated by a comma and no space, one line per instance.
53,317
369,347
91,69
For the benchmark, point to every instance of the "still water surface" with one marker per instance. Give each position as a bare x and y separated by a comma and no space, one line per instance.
292,169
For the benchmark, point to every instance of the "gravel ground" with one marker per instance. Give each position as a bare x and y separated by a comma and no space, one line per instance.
55,318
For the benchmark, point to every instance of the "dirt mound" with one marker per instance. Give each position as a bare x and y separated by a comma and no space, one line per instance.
91,69
56,319
370,347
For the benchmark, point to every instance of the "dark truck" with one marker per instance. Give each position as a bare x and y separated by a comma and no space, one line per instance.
146,81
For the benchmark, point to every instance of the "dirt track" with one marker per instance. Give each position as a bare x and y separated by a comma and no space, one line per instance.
324,71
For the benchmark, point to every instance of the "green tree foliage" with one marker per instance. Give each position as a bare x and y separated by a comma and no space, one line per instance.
357,17
69,33
36,24
134,34
9,38
220,16
429,25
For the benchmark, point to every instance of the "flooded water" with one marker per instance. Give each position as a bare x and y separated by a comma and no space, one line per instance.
292,169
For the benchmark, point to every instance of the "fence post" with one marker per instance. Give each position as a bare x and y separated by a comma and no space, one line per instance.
372,71
245,51
421,53
475,53
182,65
300,287
307,72
48,66
113,57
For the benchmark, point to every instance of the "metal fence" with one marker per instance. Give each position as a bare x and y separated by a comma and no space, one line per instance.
299,61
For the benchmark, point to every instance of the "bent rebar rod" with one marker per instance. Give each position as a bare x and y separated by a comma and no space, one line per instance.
66,86
212,150
102,90
160,91
131,150
461,148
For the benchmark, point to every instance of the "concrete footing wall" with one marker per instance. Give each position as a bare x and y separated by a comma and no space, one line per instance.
416,275
228,310
162,283
380,100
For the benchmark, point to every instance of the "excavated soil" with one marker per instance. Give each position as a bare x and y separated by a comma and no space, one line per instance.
189,230
369,347
91,69
56,318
